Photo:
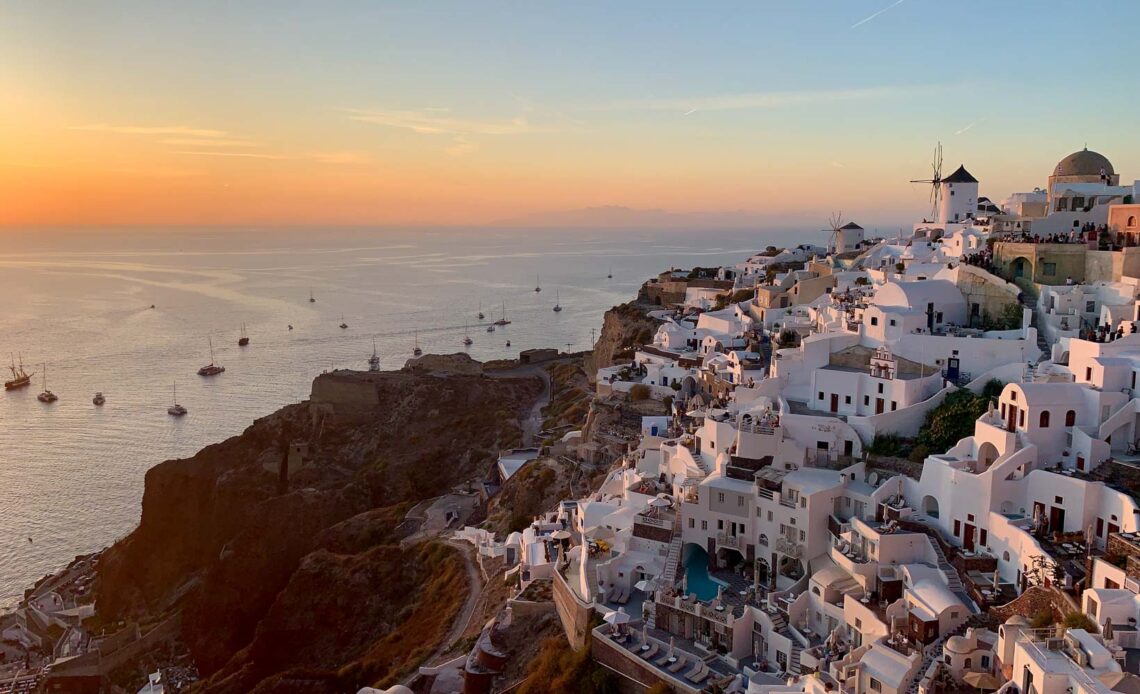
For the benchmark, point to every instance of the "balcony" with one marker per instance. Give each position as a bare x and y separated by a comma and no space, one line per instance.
730,541
788,547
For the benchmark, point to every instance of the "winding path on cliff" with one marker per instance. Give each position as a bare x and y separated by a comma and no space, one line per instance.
474,591
533,423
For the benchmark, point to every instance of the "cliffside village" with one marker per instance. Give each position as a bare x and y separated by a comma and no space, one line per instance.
749,541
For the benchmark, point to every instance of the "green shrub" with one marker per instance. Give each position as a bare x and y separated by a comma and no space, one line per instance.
1042,618
638,392
1079,620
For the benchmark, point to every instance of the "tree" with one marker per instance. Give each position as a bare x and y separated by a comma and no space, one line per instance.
953,420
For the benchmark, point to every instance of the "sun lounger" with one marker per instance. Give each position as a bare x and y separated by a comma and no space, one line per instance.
701,676
679,665
695,671
660,662
651,652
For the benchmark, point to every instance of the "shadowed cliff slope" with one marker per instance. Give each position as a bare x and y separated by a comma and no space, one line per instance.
241,551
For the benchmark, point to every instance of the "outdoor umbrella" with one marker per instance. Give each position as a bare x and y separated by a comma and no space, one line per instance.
982,680
1106,630
617,617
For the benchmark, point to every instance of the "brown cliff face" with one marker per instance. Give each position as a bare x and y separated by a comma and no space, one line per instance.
241,556
624,328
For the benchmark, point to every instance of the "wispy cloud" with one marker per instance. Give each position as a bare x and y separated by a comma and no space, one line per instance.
868,18
461,147
441,122
340,157
163,130
761,101
836,165
689,112
245,155
968,127
210,142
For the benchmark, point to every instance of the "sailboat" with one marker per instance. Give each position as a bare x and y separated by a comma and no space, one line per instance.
176,410
20,378
503,320
211,369
98,400
244,339
537,284
481,316
466,338
610,276
491,328
416,351
343,325
47,395
311,299
374,360
557,304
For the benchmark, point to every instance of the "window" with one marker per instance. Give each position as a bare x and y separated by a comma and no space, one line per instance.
876,686
803,536
985,662
692,523
1044,419
720,497
739,501
892,322
1013,395
1050,269
769,516
874,320
1090,307
1021,418
1005,556
938,317
858,623
969,663
866,400
880,388
720,524
894,405
820,395
704,525
847,398
1088,373
1058,500
1131,221
763,539
1070,418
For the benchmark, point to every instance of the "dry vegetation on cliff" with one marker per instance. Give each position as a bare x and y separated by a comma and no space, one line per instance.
305,588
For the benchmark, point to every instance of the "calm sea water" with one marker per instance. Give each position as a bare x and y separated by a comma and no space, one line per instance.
71,474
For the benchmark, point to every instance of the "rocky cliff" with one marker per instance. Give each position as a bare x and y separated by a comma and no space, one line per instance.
241,536
624,327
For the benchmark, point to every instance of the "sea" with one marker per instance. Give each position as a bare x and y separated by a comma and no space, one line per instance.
132,312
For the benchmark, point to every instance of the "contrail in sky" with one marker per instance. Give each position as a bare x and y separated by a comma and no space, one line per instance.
959,132
689,112
863,21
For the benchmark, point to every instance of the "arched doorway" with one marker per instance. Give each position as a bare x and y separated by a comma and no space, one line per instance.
930,506
987,454
1020,267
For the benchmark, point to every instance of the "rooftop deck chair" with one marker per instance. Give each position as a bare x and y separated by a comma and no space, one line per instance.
660,662
651,652
679,665
695,671
702,675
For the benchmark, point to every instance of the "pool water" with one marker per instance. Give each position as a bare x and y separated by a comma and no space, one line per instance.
697,575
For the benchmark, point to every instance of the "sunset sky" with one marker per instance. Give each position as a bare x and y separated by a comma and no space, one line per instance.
277,112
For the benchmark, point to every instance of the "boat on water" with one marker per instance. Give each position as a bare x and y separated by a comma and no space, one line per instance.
610,275
537,284
343,325
211,369
466,338
311,299
503,320
491,328
98,400
416,351
481,316
557,303
374,360
244,339
176,410
47,395
20,378
508,343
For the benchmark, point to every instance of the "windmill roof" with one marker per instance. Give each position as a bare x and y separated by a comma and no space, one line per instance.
960,176
850,225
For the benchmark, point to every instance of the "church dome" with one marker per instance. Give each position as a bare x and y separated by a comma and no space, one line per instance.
1084,163
958,644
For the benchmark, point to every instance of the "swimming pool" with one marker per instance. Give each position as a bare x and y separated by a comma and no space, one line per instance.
697,575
